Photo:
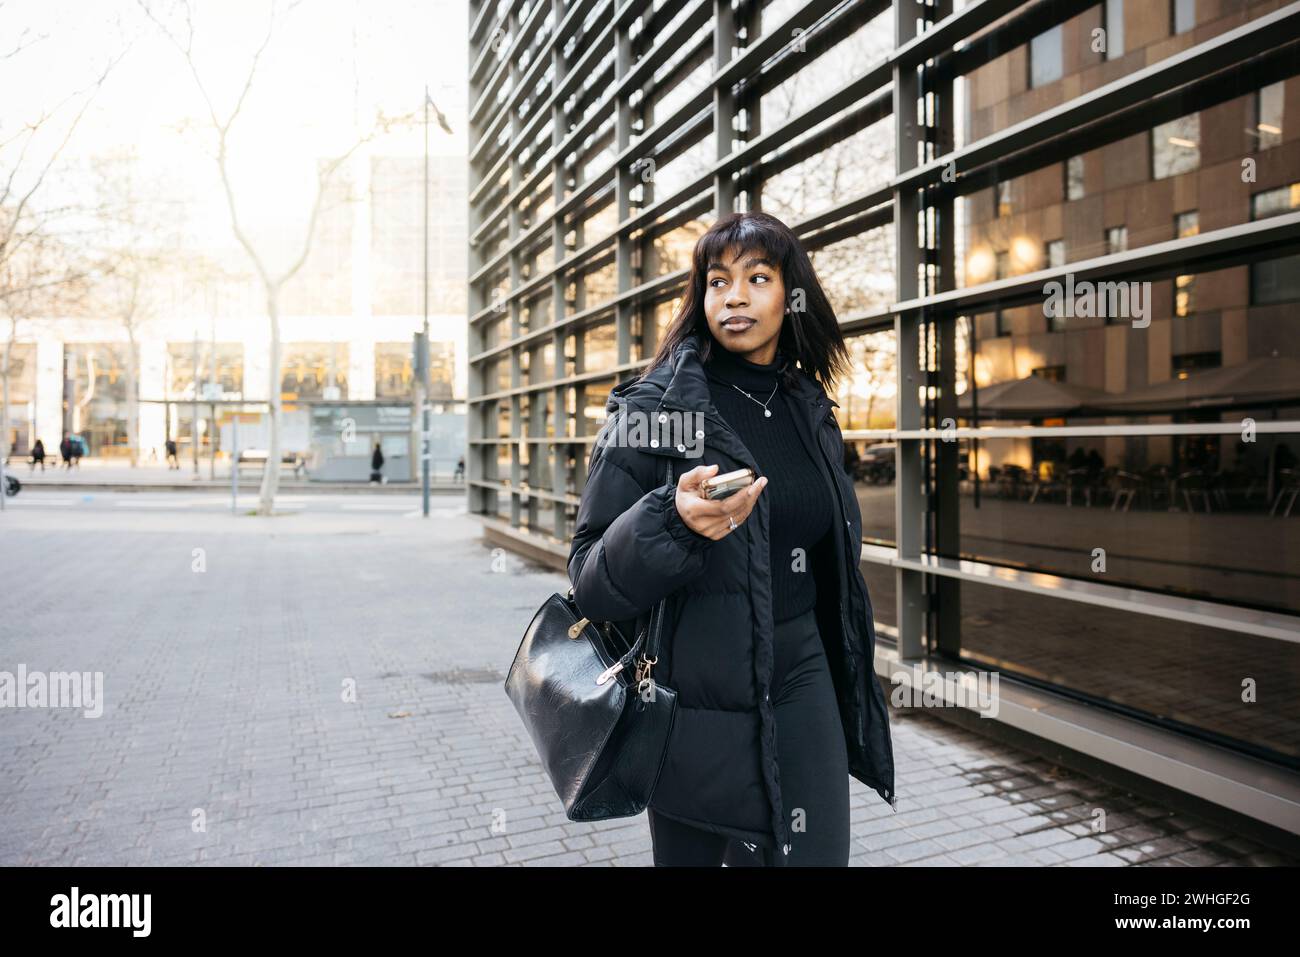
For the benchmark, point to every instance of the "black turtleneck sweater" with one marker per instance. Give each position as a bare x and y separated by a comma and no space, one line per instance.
799,498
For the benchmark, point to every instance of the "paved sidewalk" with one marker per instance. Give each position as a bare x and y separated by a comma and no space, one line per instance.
226,737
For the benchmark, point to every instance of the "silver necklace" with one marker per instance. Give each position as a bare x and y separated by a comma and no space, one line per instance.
766,411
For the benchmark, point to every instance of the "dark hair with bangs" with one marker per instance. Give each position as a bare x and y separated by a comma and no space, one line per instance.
811,337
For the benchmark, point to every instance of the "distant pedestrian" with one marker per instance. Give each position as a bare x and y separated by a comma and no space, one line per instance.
1096,464
377,465
65,451
78,449
38,455
172,461
460,469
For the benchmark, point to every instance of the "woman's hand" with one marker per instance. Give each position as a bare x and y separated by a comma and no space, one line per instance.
709,517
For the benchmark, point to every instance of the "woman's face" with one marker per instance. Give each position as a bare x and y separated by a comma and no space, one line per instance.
744,303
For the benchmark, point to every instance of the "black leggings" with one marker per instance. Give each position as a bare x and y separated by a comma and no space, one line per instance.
812,761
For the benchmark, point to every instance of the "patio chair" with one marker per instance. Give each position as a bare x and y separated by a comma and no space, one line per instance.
1192,483
1288,488
1078,479
1128,485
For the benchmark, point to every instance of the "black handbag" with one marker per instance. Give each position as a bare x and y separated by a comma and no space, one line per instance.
602,735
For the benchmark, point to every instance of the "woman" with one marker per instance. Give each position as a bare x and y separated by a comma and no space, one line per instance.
768,637
38,455
377,464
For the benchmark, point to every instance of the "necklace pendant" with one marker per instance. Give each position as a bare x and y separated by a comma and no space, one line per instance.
767,413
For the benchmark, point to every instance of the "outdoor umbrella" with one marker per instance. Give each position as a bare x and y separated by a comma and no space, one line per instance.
1271,380
1029,397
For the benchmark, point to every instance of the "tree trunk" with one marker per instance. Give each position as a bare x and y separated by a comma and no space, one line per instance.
4,407
271,477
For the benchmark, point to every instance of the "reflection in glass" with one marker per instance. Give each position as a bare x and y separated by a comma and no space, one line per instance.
867,401
393,370
1182,673
1176,146
599,349
222,362
1114,25
1268,115
1045,64
1185,224
95,394
1074,177
1275,280
309,369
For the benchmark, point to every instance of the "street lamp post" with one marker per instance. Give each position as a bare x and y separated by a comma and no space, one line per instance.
424,370
422,377
194,424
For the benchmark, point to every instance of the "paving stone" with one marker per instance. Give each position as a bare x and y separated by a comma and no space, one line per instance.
224,693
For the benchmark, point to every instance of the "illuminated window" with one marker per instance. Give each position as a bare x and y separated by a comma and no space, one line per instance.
1274,202
225,360
442,369
312,370
1185,224
1188,363
1267,128
1176,146
1183,15
1116,239
1002,197
393,370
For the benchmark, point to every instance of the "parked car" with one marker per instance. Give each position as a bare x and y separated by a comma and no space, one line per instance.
877,465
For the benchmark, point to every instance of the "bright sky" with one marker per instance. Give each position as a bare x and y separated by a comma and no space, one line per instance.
330,65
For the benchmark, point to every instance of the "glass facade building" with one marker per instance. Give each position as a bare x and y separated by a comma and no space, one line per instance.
1063,240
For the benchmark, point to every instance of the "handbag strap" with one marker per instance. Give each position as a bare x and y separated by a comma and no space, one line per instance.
655,626
648,642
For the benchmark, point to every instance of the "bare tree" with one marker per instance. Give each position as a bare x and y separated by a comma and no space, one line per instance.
857,272
182,37
25,167
21,42
39,282
28,280
138,246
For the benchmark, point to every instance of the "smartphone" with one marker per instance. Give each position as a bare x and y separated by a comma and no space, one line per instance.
728,483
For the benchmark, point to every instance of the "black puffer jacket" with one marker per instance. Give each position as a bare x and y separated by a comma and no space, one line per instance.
631,548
